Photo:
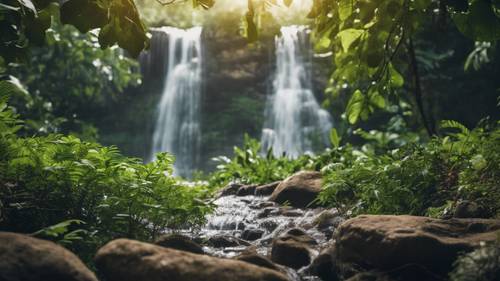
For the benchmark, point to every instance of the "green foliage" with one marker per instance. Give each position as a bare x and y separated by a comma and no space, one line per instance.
49,180
251,166
69,80
418,179
24,24
366,38
482,264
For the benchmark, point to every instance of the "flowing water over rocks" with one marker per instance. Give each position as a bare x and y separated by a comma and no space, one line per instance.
249,225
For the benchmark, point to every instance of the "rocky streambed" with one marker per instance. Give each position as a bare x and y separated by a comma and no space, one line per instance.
270,232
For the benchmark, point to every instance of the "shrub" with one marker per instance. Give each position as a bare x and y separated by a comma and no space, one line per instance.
52,179
250,165
419,179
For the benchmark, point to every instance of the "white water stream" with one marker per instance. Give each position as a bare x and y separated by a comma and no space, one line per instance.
295,122
177,127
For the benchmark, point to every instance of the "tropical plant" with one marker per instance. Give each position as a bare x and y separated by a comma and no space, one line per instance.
418,179
68,82
50,180
251,165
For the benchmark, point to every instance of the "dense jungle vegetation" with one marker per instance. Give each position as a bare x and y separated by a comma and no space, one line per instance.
413,87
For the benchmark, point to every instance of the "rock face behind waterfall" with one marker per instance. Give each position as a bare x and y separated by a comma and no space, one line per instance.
23,258
299,190
128,260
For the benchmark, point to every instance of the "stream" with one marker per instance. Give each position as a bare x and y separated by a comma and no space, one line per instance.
251,223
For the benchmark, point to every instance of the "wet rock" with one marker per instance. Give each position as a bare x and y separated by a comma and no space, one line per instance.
269,225
327,221
256,259
292,249
291,212
389,242
230,189
267,189
241,226
179,242
299,190
266,204
267,212
300,235
24,258
252,234
128,260
246,190
324,266
224,241
469,209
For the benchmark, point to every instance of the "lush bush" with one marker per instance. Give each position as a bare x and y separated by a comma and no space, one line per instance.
419,179
251,165
68,81
52,179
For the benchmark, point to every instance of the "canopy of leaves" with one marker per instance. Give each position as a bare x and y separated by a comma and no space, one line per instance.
69,80
23,23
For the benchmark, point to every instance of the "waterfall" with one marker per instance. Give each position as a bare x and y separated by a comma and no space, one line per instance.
177,128
294,121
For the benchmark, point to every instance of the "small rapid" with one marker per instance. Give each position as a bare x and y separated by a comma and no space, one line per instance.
242,224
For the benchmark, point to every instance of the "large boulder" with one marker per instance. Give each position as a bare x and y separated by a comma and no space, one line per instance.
292,249
179,242
128,260
390,242
299,190
24,258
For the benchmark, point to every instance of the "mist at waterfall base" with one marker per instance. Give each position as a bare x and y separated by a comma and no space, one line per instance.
177,126
295,123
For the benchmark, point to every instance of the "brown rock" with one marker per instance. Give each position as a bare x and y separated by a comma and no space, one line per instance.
292,249
389,242
230,189
128,260
246,190
24,258
266,189
299,190
256,259
179,242
324,265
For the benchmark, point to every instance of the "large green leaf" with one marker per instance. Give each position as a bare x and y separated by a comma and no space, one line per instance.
355,107
334,138
348,36
345,9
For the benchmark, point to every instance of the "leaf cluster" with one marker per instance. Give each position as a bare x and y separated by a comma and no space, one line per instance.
48,180
419,179
251,165
23,23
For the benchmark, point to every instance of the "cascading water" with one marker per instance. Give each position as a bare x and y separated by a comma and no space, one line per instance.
177,127
295,122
